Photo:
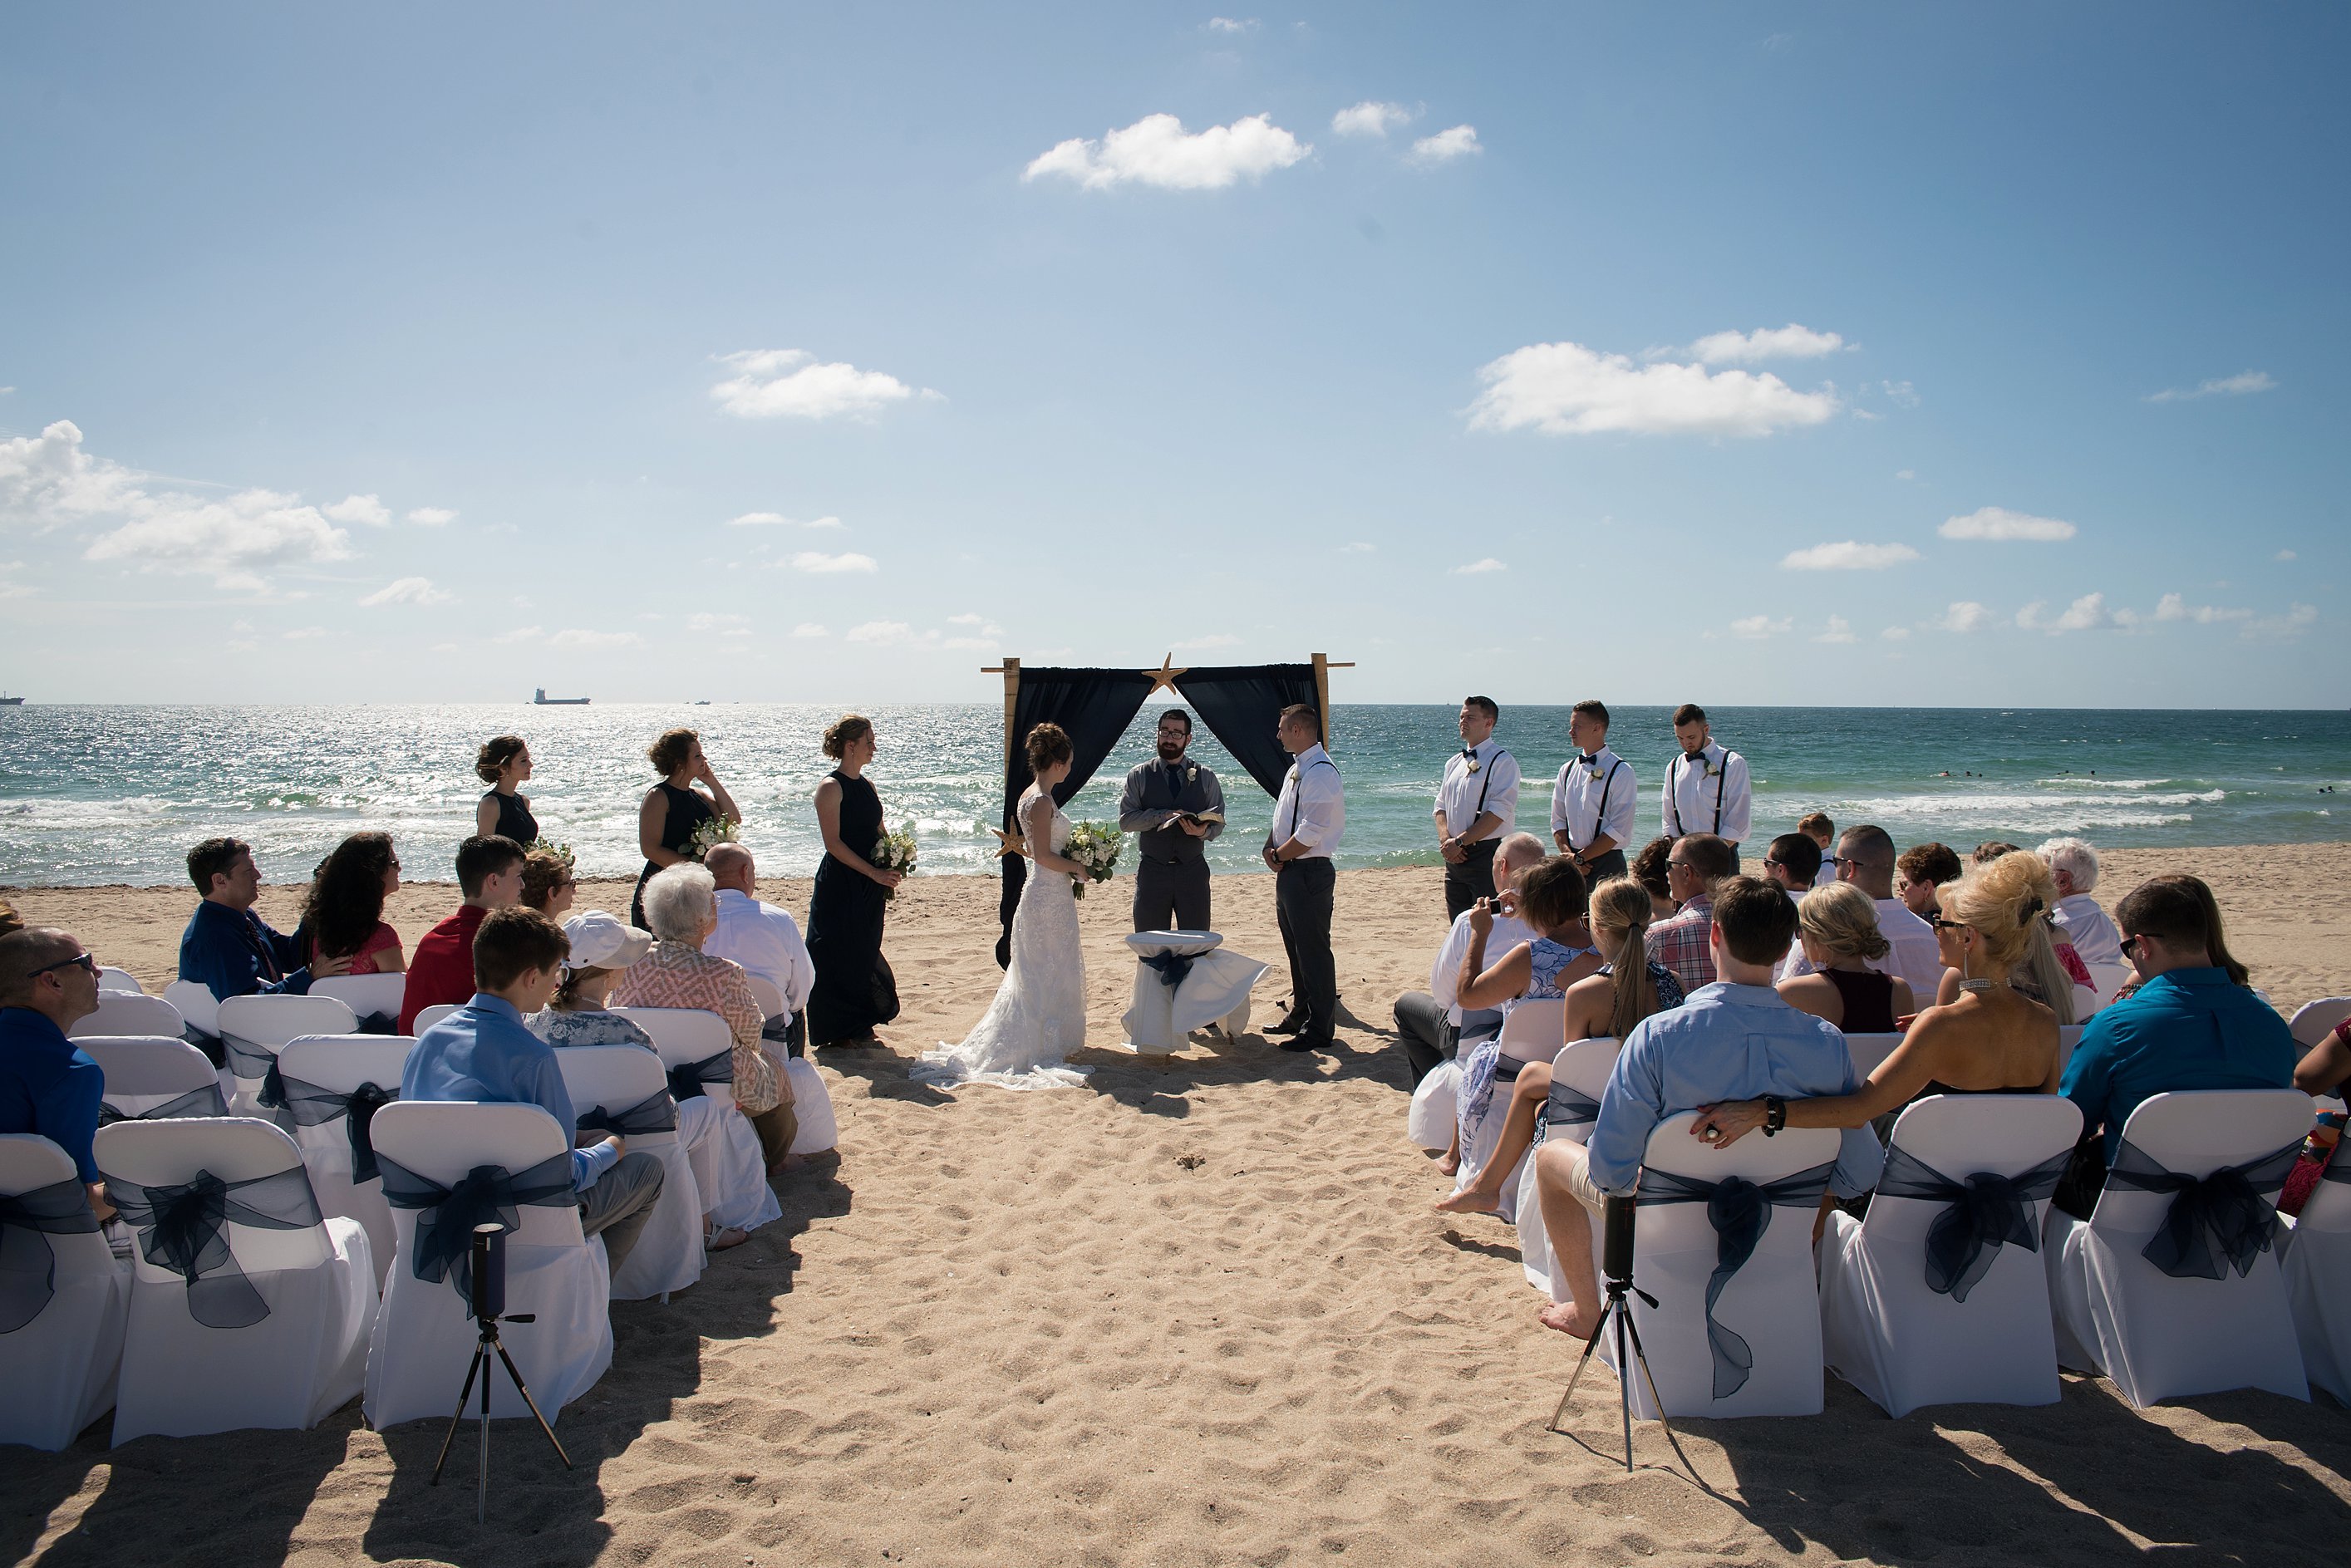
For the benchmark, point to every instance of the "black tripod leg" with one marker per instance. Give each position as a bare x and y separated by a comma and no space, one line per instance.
1650,1378
1623,1378
1585,1360
524,1389
480,1364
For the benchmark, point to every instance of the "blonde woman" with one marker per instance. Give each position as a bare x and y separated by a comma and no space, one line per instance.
1604,1005
1991,1041
2050,968
1838,927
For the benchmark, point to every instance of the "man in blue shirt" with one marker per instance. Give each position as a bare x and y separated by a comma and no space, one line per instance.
2192,1024
1733,1039
229,949
48,1085
484,1051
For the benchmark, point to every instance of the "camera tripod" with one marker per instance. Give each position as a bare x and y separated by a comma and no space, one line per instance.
489,1299
1616,1263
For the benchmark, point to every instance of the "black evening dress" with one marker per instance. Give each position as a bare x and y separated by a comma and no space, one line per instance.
515,820
688,809
855,987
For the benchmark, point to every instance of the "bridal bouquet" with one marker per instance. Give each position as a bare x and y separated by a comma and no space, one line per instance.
895,851
715,832
1095,846
560,851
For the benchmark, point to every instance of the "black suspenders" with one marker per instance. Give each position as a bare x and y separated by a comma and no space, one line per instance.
1599,817
1674,794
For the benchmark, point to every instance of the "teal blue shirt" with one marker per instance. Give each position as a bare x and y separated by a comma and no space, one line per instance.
2186,1029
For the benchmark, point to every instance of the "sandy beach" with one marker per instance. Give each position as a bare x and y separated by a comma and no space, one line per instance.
1197,1311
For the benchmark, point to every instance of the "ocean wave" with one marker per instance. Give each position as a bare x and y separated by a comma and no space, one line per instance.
2078,782
2000,805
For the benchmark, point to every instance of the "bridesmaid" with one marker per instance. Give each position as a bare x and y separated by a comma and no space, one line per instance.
673,808
855,987
504,764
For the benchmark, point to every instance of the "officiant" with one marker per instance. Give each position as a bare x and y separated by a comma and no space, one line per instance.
1173,807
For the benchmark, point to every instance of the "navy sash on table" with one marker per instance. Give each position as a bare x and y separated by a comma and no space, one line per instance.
182,1226
202,1102
685,1079
656,1112
2215,1222
28,1264
1982,1213
1740,1211
305,1104
1171,967
446,1214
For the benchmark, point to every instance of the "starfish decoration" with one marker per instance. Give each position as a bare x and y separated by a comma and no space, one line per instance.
1162,679
1009,845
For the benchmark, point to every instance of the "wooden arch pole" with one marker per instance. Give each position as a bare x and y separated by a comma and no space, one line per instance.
1010,671
1322,668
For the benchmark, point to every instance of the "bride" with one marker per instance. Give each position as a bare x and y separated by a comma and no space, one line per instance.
1039,1016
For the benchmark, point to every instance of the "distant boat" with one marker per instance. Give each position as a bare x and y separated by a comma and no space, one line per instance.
699,702
11,702
540,699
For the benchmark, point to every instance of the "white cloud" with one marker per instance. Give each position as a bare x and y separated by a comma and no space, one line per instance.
1158,150
981,624
48,479
1358,546
1457,141
304,634
1896,633
1478,567
519,634
1788,342
777,520
2239,385
1370,118
2292,624
769,383
431,517
1902,394
574,637
881,633
1566,389
2000,523
1848,555
1228,24
715,624
1840,629
365,509
817,562
2283,555
1964,615
810,629
2087,613
409,591
1905,474
1213,639
1761,626
2175,607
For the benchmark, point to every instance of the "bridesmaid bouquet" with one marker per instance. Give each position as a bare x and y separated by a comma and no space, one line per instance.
895,851
1095,846
560,851
715,832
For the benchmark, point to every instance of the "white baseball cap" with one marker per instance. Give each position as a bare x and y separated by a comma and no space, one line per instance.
602,941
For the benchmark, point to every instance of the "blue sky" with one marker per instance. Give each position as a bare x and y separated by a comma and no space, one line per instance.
1736,353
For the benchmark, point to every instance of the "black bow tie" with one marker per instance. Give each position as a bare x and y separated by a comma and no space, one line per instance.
1470,752
1592,762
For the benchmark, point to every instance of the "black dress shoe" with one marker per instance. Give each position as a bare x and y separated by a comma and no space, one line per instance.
1291,1023
1310,1043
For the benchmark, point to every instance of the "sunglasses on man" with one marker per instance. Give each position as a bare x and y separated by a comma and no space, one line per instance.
80,960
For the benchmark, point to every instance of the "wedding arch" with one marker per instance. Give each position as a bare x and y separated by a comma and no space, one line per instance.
1238,703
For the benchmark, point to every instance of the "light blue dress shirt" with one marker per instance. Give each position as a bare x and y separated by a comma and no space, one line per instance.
485,1051
1726,1042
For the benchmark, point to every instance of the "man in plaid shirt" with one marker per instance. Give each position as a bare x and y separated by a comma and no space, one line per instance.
1699,861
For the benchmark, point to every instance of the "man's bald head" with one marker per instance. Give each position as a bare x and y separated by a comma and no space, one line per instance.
1867,854
730,865
1514,855
24,952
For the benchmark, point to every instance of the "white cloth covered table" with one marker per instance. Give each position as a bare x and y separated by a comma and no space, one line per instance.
1211,989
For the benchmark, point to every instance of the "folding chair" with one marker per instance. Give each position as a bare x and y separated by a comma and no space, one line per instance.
1578,1076
332,1087
151,1079
623,1090
63,1298
697,1051
253,1030
369,997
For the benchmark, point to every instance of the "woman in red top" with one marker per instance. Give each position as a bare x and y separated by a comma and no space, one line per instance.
344,912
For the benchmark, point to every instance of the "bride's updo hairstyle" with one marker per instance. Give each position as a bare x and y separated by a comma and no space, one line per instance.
1552,893
1048,743
846,731
2004,899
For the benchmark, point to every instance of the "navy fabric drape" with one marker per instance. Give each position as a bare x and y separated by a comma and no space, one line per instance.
656,1112
1240,702
2214,1223
1740,1211
203,1101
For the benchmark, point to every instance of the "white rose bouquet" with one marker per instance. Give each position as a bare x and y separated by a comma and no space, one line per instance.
1095,846
560,851
895,851
716,830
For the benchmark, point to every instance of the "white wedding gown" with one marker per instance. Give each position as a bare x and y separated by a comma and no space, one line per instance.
1039,1016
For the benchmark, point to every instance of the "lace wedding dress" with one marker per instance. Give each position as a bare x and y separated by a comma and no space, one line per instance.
1039,1016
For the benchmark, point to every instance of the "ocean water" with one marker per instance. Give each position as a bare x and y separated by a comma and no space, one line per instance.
117,794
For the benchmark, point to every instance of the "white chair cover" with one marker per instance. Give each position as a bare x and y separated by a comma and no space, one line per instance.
318,1068
2105,979
130,1012
292,1367
253,1030
1869,1051
1213,991
615,1079
816,1128
1769,1304
59,1366
1982,1340
1532,1031
2316,1260
366,995
2314,1021
113,979
730,1170
150,1078
427,1016
425,1337
196,1006
1578,1076
2157,1335
1435,1106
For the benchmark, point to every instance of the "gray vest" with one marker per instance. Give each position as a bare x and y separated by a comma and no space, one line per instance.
1165,788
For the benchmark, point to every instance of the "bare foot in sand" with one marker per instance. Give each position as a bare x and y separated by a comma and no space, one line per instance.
1451,1162
1570,1317
1470,1200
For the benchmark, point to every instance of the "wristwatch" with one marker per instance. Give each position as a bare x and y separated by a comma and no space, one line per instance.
1775,1114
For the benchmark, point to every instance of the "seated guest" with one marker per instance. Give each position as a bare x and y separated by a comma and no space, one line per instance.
761,937
548,884
1733,1039
227,949
682,905
489,877
1682,943
2324,1069
2075,866
1793,861
1920,871
1816,826
1649,870
49,1085
482,1051
1865,859
1837,929
2193,1023
1604,1005
344,914
1991,1041
1991,849
2050,968
1430,1024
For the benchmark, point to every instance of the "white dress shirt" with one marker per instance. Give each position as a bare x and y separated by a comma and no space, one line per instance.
1311,808
1917,956
1445,975
765,941
1709,798
1592,796
1462,794
2089,929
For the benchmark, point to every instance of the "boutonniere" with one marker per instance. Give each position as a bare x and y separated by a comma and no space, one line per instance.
1192,774
1713,770
1472,765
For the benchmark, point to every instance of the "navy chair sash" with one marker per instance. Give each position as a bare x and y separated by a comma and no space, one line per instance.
1569,1107
28,1265
1738,1209
305,1104
656,1112
202,1102
2216,1222
686,1078
446,1215
1171,967
246,1057
1982,1212
182,1226
380,1023
210,1044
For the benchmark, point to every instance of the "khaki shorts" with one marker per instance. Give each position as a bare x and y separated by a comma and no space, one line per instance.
1576,1163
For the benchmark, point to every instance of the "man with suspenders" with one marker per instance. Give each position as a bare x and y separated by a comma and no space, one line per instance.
1308,817
1593,802
1706,789
1477,804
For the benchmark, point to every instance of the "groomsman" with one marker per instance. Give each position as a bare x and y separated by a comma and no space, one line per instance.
1593,802
1166,801
1477,806
1308,819
1706,788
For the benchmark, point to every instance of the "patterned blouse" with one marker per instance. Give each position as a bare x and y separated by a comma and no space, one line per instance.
590,1026
677,976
